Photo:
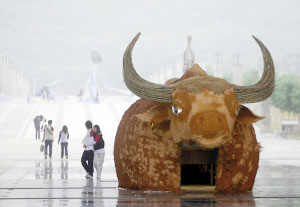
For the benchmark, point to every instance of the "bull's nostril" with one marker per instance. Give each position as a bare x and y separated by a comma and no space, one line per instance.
208,123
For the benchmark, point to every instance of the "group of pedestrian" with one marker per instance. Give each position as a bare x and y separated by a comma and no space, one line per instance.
41,124
62,139
94,152
93,144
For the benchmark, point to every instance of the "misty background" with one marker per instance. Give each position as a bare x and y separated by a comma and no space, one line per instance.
47,44
51,41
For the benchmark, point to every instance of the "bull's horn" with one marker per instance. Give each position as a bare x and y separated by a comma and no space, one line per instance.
139,86
264,87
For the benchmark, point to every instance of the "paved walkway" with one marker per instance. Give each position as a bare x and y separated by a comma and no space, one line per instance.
27,179
61,183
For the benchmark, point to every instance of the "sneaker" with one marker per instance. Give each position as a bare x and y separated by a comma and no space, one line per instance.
66,157
45,157
86,175
89,176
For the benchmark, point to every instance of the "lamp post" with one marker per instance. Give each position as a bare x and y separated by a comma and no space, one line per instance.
34,87
237,74
218,61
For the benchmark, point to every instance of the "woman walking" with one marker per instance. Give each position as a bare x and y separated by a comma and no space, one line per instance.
99,151
63,139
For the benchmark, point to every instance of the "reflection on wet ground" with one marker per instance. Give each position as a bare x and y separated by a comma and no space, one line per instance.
62,183
26,180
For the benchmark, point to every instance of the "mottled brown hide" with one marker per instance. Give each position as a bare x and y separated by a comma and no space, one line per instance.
238,159
145,158
194,71
156,114
247,116
183,99
201,124
231,105
200,113
198,84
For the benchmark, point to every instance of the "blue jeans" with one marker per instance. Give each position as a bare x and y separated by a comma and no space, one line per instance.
48,143
37,132
64,149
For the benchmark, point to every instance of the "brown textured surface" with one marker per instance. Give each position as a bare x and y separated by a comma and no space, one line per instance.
198,84
145,158
183,99
238,160
202,123
195,70
156,114
148,157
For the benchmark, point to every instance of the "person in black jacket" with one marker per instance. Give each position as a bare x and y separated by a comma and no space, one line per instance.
88,154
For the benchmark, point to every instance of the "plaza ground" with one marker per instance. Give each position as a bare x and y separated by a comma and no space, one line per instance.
27,179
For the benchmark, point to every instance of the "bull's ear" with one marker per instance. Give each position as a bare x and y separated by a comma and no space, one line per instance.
246,116
156,114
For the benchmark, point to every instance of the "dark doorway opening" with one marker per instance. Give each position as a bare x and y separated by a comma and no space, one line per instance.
198,167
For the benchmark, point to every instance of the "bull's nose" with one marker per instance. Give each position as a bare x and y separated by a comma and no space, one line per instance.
209,124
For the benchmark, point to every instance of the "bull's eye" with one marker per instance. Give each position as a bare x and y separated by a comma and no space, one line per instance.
176,110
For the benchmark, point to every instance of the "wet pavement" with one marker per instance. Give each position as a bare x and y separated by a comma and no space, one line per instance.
27,179
62,183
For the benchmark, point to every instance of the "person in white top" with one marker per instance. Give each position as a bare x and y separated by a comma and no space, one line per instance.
48,138
63,138
87,157
99,151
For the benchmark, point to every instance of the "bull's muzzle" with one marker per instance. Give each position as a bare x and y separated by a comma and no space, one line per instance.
209,124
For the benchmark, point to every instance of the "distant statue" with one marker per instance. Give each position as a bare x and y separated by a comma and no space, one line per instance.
90,90
96,58
189,56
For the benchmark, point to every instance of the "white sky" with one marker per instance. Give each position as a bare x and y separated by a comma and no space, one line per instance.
52,40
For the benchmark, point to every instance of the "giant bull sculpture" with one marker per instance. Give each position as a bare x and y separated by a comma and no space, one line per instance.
195,112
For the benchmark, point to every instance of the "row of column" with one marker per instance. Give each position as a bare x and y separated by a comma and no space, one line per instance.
12,82
176,69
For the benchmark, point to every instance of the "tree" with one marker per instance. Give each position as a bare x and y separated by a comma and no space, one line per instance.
209,70
228,76
286,95
250,77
